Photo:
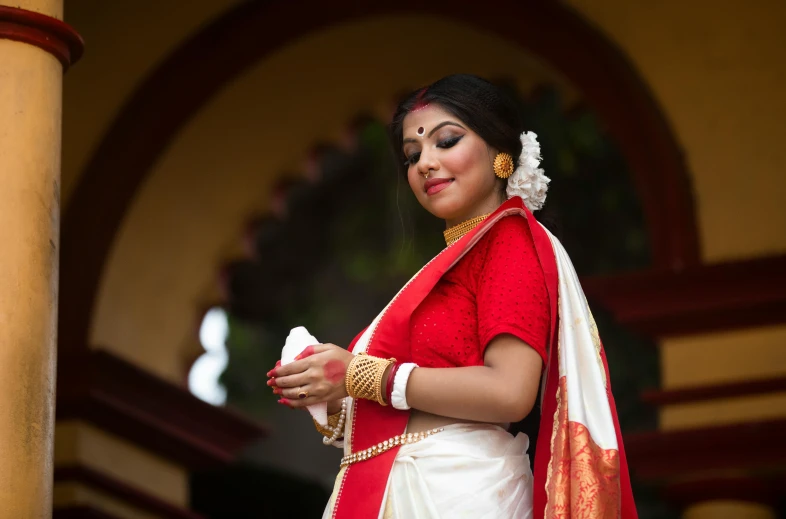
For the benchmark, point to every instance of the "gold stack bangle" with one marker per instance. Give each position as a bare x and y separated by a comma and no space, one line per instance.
332,424
457,231
364,377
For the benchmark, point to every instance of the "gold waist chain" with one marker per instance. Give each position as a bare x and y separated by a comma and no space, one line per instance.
376,450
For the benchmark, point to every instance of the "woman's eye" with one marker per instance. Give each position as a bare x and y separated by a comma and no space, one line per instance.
412,159
449,143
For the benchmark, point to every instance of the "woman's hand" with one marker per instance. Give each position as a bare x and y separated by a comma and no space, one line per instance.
318,372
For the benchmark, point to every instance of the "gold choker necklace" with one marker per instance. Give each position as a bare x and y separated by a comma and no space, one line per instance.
457,231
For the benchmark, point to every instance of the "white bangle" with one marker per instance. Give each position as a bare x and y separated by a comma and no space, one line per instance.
398,397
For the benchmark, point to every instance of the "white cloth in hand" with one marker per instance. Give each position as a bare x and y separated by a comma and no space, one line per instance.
297,341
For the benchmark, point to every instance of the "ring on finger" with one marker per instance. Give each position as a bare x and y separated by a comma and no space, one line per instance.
302,393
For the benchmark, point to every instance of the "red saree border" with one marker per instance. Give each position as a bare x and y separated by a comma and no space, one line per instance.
584,482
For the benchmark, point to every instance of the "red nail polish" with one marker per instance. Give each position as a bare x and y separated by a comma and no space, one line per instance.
271,382
285,402
277,391
278,363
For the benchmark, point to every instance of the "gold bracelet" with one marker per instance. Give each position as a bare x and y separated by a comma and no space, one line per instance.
364,377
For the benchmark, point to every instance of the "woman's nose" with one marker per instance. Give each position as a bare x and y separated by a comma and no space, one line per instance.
427,163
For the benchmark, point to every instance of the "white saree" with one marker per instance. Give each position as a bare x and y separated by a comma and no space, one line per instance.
473,471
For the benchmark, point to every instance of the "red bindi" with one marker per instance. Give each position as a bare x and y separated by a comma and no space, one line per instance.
335,371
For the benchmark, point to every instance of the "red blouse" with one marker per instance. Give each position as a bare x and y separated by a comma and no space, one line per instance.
497,287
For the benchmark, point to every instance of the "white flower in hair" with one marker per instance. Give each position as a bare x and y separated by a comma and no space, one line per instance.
528,181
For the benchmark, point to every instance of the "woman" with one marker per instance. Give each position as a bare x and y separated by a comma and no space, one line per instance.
423,397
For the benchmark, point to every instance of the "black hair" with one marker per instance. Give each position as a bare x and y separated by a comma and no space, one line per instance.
481,105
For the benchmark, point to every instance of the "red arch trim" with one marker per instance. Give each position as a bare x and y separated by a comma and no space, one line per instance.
197,70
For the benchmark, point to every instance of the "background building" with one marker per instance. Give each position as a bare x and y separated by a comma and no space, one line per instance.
209,146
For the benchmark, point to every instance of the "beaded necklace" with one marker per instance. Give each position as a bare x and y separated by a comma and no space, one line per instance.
457,231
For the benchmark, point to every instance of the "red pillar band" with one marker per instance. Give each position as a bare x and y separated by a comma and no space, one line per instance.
54,36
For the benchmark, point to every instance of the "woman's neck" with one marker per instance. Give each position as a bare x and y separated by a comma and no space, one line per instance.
486,208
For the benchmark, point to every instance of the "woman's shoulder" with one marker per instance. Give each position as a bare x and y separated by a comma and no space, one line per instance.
509,245
507,241
509,231
507,238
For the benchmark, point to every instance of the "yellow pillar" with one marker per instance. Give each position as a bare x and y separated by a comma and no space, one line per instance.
722,509
30,117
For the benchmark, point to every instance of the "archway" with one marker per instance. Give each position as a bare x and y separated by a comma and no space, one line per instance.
233,43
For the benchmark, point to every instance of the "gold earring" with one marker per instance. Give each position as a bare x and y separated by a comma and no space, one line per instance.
503,165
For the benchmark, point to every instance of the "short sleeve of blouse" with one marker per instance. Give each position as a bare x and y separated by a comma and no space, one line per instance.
511,292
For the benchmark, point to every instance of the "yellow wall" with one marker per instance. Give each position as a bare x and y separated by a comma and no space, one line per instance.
723,411
728,509
124,42
71,495
723,357
720,358
81,444
717,69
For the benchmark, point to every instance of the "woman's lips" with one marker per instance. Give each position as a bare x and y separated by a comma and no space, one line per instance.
435,185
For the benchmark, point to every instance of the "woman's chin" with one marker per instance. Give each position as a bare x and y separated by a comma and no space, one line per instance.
446,209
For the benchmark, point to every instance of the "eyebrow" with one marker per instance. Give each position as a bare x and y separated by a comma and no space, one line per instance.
437,127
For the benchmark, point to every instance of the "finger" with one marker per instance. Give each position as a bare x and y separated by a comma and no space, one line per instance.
270,373
307,352
296,403
295,392
301,379
314,349
299,366
293,368
286,402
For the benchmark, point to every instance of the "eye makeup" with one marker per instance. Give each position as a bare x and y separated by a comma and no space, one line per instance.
449,142
443,144
412,159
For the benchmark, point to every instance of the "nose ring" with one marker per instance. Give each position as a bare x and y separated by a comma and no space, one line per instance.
426,174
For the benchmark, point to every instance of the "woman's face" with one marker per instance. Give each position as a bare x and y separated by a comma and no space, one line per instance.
461,183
